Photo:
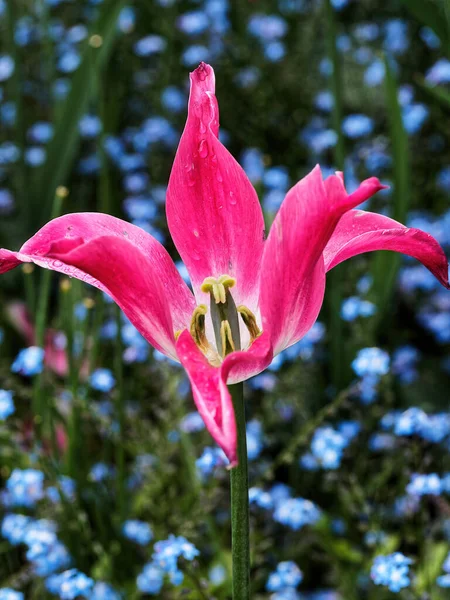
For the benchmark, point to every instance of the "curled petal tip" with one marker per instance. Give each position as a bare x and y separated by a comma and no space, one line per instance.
204,73
375,184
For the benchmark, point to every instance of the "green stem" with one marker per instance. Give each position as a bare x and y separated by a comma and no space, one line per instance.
41,402
240,530
120,411
335,291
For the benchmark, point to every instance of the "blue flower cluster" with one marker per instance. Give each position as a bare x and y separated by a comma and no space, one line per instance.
294,513
70,584
355,307
284,580
433,428
328,445
46,553
428,485
24,487
370,365
391,571
165,562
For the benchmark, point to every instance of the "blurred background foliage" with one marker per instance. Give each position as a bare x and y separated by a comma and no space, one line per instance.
349,431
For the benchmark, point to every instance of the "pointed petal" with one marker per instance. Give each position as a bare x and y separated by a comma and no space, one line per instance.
8,260
359,231
122,260
211,395
292,274
213,211
209,385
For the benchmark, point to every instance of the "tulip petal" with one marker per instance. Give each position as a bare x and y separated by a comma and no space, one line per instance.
120,259
292,274
359,231
209,385
213,211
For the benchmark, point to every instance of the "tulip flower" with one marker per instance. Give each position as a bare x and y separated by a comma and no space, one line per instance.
253,295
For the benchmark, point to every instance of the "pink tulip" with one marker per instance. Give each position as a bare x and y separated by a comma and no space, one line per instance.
216,222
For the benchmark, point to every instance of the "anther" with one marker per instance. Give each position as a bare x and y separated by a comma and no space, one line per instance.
197,328
250,322
226,338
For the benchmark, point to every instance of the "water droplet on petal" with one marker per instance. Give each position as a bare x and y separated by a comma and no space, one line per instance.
219,176
56,264
196,233
232,198
202,127
203,149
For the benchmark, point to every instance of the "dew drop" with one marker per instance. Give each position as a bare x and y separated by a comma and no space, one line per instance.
232,198
196,233
219,176
56,264
202,127
203,149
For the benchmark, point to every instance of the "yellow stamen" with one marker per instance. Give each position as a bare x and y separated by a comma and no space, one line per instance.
197,328
250,322
227,339
218,287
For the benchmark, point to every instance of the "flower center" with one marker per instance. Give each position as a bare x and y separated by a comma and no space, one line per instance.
225,320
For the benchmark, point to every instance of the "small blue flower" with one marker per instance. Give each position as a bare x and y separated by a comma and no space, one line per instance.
9,594
296,513
193,23
210,459
90,126
391,571
421,485
194,55
254,439
192,422
151,44
151,580
439,72
6,67
6,404
173,99
371,361
356,126
25,487
137,531
354,307
102,380
286,575
29,361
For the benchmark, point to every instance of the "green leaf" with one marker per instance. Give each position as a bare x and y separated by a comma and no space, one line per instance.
386,264
64,145
435,92
432,14
431,566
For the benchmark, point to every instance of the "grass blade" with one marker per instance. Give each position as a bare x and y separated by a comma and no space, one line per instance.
433,15
386,264
64,145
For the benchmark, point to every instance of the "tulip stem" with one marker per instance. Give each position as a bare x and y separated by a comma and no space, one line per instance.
240,530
